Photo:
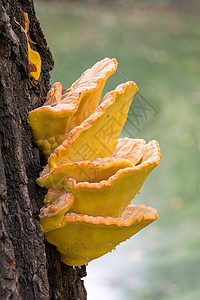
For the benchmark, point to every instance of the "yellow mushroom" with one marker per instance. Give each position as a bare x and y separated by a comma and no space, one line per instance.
83,238
128,153
51,124
54,95
91,176
58,203
98,135
111,197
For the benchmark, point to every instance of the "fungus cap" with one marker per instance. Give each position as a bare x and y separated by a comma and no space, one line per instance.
51,124
111,197
54,95
98,135
51,216
83,238
128,153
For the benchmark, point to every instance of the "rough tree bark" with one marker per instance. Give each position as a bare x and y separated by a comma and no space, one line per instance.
29,267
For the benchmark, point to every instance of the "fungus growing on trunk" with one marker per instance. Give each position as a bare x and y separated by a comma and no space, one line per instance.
128,153
51,123
110,197
83,238
87,210
51,215
112,113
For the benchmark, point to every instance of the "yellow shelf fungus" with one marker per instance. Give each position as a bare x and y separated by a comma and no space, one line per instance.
51,215
58,118
83,238
111,197
128,153
91,135
92,175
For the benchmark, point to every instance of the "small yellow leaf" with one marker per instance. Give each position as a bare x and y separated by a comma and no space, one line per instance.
34,59
34,63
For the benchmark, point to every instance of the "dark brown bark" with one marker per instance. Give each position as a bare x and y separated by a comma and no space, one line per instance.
30,268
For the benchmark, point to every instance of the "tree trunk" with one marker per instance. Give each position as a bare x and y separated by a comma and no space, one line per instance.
30,268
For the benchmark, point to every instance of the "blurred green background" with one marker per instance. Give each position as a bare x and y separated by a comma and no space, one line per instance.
157,45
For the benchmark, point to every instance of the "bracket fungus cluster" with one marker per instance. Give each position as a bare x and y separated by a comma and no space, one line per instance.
91,175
